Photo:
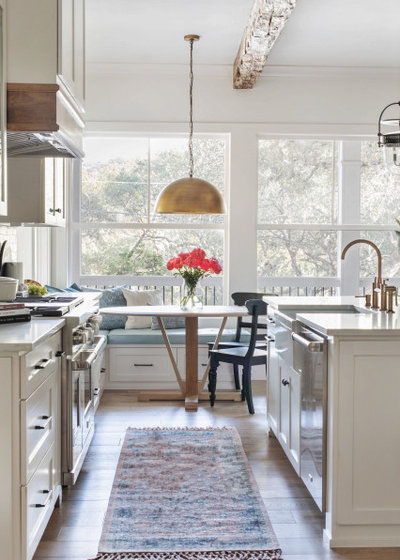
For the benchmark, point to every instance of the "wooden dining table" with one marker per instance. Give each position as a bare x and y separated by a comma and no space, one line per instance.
190,388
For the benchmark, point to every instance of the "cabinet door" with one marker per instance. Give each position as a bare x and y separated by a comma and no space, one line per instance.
294,442
50,216
54,191
59,190
273,389
71,46
289,428
284,416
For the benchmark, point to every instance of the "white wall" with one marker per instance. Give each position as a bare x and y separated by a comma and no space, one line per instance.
285,95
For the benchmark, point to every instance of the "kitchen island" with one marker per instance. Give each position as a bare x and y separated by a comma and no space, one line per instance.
361,414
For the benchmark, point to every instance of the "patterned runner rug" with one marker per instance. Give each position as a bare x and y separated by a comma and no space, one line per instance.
185,494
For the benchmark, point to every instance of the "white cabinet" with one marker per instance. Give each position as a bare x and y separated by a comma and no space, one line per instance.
71,47
46,45
30,435
283,405
273,388
367,459
37,190
289,417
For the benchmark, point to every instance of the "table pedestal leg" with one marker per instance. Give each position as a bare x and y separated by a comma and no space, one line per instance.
192,387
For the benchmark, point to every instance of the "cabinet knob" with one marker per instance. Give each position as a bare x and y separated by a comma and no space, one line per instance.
58,210
285,382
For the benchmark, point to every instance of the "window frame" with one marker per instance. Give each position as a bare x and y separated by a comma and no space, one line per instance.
76,225
348,226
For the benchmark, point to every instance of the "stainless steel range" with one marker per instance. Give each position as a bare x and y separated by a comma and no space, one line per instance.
83,350
80,395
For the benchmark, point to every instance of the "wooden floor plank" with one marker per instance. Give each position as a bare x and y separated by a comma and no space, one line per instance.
75,527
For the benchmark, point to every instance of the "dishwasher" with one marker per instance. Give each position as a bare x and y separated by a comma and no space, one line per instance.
310,360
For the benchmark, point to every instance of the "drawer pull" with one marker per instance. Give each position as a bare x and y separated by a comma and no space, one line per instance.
46,502
205,365
103,370
44,426
96,391
285,382
143,365
42,364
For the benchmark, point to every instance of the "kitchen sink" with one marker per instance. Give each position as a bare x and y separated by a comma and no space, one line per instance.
338,309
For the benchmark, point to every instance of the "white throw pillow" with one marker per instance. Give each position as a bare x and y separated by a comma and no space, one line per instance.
141,297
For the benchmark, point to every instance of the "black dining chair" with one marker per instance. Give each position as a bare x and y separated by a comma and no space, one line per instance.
245,356
240,298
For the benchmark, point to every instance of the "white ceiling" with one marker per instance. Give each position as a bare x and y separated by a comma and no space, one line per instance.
319,32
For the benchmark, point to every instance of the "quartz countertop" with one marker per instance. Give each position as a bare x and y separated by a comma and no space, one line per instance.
310,311
23,337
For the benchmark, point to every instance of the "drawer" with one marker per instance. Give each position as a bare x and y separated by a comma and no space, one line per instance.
38,426
142,365
39,364
37,501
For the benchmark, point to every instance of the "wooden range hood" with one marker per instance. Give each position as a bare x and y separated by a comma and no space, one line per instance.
42,121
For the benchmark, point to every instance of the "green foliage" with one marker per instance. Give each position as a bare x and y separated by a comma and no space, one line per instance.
118,191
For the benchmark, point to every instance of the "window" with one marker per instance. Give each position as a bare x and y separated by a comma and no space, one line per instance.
120,234
296,185
297,182
298,213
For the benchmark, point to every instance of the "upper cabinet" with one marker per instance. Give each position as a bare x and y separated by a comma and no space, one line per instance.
45,77
3,145
71,48
38,188
46,45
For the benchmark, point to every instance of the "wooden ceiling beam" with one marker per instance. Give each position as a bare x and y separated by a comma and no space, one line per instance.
267,19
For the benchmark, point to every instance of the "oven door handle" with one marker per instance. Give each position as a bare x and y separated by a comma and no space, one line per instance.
101,344
92,355
310,345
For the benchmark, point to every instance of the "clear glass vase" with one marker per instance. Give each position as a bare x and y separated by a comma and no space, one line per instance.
190,300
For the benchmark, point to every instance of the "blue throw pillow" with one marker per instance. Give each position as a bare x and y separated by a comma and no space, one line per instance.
112,297
53,289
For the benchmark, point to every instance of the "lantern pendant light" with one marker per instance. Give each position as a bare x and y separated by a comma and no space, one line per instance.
190,195
390,141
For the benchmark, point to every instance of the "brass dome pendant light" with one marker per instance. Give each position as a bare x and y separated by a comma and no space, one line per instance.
190,195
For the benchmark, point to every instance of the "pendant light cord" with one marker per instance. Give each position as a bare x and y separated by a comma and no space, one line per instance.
191,162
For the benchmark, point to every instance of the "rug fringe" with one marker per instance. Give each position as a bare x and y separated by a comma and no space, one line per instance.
183,429
194,555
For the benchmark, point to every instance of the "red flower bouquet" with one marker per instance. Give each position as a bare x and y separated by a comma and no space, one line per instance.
193,266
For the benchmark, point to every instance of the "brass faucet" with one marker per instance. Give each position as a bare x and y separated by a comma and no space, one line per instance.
377,284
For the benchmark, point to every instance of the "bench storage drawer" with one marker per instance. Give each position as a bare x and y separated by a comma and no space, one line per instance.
143,367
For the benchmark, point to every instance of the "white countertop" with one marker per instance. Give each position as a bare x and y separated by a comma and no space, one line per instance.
23,337
336,323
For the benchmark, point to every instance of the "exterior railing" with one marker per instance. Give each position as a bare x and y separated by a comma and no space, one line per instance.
171,287
211,289
298,286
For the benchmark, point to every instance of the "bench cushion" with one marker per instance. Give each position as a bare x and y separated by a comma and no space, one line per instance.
176,336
